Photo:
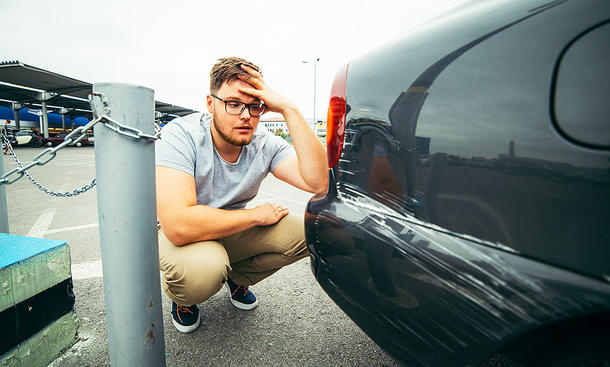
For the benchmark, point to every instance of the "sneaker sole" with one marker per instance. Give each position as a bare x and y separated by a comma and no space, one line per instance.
244,306
240,305
187,328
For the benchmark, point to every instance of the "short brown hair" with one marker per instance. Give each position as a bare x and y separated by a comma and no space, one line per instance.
226,70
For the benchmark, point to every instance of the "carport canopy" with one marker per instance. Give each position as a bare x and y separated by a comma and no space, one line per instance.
23,85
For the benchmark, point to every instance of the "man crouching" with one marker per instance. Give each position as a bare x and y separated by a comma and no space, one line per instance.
208,168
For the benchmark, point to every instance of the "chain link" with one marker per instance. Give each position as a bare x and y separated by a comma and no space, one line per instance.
132,132
70,139
36,183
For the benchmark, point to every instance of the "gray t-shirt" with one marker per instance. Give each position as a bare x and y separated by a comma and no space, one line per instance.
186,145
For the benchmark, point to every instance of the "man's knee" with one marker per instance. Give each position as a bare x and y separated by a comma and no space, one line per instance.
188,283
294,235
297,250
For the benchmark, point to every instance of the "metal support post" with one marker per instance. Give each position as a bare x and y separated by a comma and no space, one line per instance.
3,207
16,108
45,120
125,171
63,112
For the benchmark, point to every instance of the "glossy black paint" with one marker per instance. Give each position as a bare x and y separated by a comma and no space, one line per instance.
461,217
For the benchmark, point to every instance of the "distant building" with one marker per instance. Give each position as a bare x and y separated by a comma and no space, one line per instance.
320,128
274,123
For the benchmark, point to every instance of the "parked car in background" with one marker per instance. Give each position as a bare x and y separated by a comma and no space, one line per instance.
26,138
90,139
467,218
57,139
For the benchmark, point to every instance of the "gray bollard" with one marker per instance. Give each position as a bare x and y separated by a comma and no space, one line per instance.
3,207
125,171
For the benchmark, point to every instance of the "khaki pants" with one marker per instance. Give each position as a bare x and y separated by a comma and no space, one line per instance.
194,272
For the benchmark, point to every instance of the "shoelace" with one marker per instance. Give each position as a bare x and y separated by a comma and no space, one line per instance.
182,309
245,290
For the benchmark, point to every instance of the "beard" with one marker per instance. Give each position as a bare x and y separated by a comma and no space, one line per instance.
227,137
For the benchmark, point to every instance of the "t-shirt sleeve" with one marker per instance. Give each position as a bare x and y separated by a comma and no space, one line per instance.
176,149
280,150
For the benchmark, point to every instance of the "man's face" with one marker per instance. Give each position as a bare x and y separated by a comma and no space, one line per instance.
236,130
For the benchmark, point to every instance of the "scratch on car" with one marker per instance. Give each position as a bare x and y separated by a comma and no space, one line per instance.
485,278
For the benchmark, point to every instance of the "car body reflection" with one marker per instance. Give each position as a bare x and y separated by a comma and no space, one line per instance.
458,222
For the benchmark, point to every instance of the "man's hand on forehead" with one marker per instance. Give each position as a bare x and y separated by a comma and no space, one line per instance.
240,96
274,101
254,78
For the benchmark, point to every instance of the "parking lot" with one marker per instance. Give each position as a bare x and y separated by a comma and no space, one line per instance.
296,323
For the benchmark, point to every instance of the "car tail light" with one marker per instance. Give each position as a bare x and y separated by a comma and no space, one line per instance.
335,121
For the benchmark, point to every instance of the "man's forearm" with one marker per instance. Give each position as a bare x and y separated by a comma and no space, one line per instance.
313,166
201,222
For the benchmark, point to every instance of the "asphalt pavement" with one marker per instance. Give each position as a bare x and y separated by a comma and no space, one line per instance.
295,324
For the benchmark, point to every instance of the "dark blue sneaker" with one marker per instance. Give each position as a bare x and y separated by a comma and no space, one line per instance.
241,297
185,318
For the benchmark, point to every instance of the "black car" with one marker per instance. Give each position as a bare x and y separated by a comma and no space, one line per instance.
467,219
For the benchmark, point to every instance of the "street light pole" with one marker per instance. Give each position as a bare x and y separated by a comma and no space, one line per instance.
315,64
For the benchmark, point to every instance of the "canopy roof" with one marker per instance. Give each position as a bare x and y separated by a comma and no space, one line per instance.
18,73
170,111
24,84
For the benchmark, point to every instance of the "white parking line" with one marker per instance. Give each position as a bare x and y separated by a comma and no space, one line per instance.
87,270
68,164
73,228
39,229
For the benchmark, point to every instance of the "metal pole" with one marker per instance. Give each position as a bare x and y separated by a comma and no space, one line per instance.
16,108
45,120
3,207
315,66
63,112
125,171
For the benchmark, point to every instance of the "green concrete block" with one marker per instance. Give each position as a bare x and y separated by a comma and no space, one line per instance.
41,272
6,289
36,300
46,345
28,266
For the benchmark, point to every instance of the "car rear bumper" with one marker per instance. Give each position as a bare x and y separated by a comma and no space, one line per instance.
431,297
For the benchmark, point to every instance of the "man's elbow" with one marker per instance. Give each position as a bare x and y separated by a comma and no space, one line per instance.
175,235
320,186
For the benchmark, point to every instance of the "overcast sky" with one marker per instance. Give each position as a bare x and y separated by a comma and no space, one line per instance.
170,46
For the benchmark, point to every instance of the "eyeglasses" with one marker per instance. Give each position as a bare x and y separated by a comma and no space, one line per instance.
236,107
